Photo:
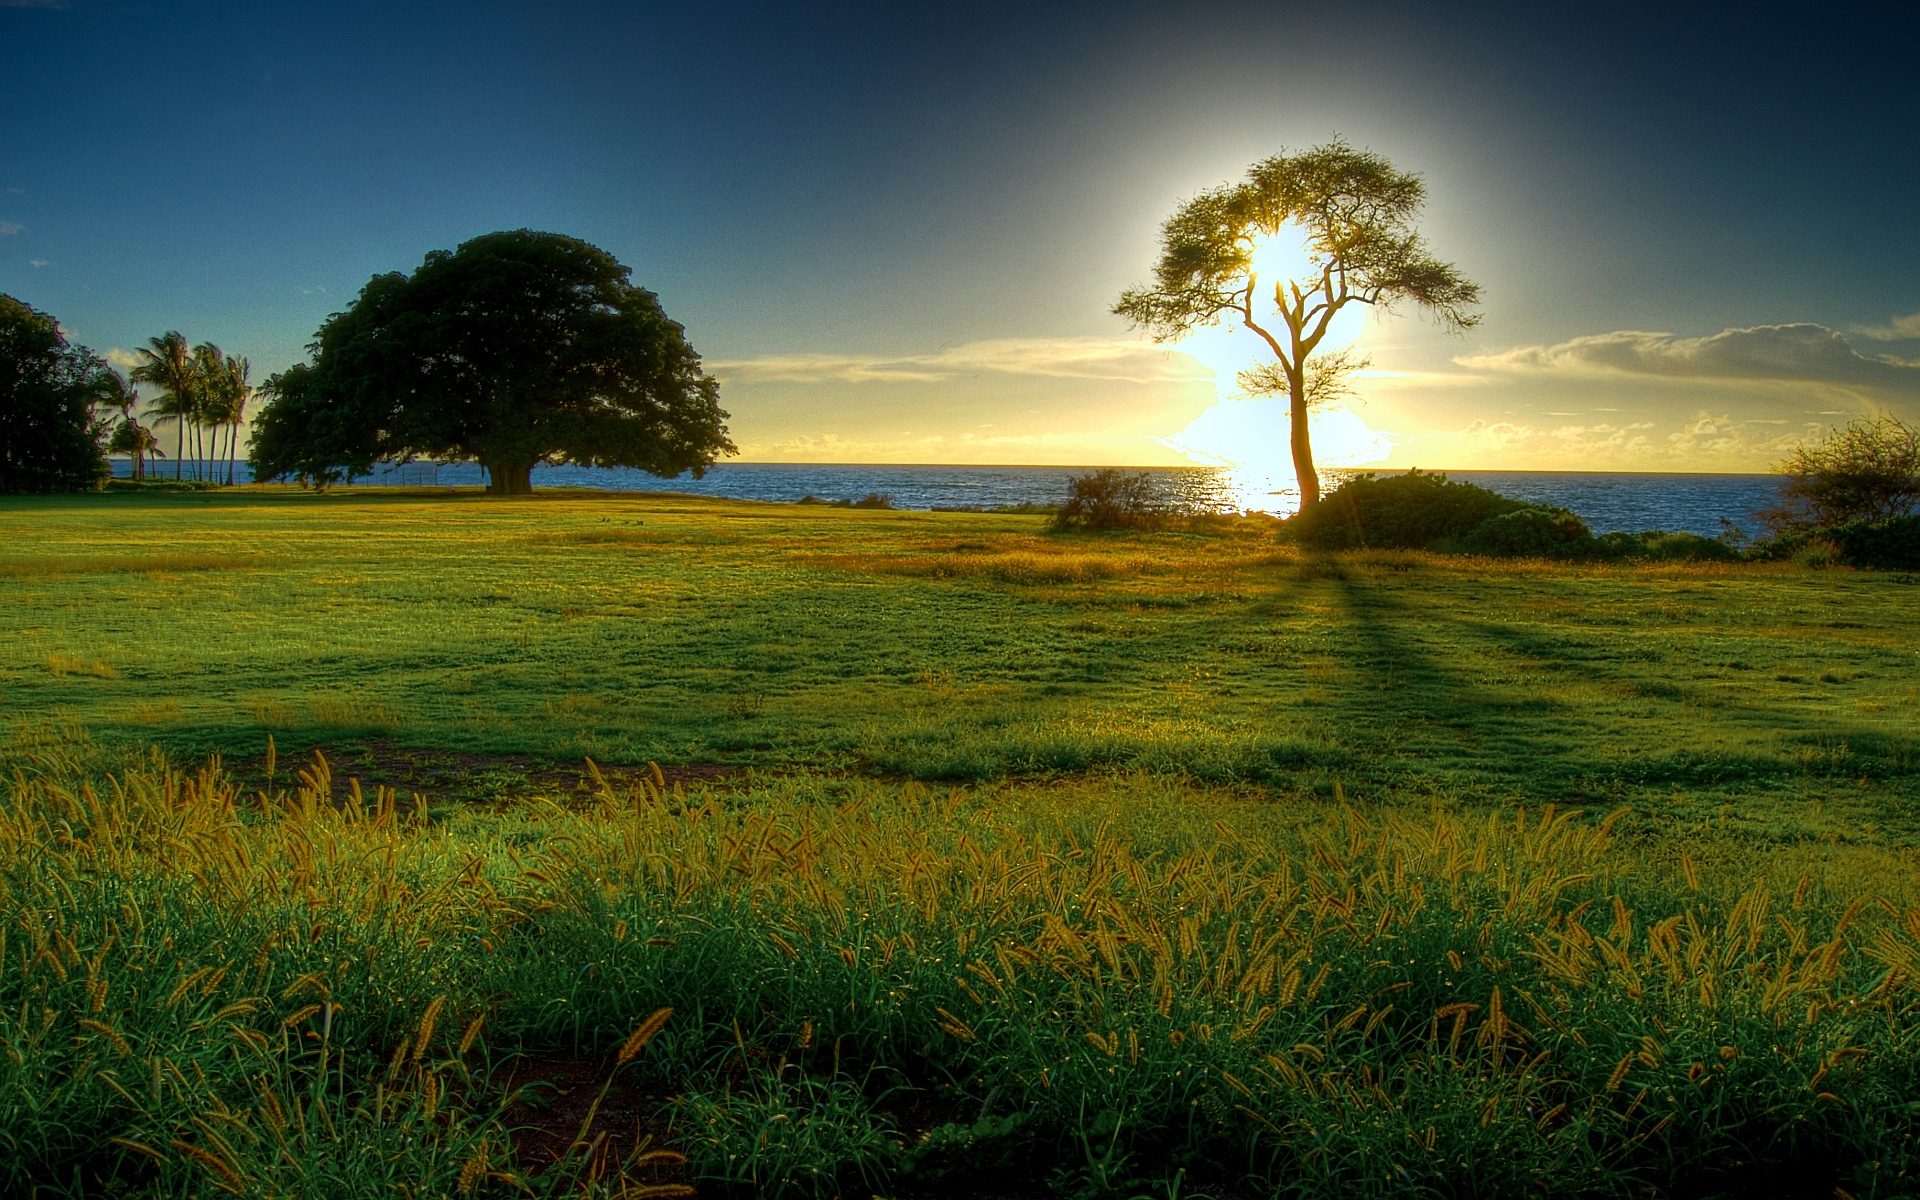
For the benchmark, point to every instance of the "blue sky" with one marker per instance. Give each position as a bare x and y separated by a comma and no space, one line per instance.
895,231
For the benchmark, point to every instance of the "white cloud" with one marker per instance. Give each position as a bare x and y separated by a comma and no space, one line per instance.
1897,329
9,228
1058,358
38,262
1705,442
1802,353
126,360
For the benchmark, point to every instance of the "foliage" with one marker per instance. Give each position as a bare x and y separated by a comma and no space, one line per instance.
1658,545
1410,511
1865,473
1890,545
301,434
1357,214
519,348
1534,531
297,990
49,434
1111,499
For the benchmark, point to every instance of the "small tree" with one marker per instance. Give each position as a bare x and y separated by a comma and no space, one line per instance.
50,433
517,349
1869,471
114,392
1110,499
1356,214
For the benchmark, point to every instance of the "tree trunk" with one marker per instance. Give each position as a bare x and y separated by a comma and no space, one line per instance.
1303,469
515,479
179,445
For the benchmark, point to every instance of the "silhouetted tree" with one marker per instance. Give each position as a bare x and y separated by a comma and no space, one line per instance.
1356,214
517,349
1869,471
49,432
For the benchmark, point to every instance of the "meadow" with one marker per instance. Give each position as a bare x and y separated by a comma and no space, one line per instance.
977,859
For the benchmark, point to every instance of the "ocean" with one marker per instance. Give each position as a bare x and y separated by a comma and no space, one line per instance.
1607,500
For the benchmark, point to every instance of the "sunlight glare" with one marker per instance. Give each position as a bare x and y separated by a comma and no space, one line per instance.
1228,349
1250,435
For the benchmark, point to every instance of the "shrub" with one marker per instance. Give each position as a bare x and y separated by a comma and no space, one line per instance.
873,500
1867,472
1890,545
1535,531
1111,499
1661,546
1404,512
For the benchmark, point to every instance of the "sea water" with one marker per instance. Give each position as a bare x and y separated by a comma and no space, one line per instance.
1608,501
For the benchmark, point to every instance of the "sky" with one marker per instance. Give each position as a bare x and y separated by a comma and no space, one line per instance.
896,232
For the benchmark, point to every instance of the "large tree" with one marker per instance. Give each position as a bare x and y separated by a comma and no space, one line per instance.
50,433
1356,216
517,349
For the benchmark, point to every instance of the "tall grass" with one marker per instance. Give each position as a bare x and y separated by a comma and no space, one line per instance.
1117,984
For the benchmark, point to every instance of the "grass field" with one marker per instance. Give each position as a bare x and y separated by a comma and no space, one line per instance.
1165,864
959,646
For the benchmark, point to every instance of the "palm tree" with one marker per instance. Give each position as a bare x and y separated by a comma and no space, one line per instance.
112,390
238,392
217,400
135,439
169,365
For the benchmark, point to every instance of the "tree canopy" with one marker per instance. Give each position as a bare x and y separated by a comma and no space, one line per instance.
517,349
1356,215
1869,471
49,433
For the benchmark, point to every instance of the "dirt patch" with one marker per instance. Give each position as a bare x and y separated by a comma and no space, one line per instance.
438,776
567,1106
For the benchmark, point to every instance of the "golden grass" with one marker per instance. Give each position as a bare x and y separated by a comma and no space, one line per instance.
75,664
338,711
124,564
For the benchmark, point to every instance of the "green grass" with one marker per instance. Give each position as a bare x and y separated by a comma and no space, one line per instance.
1140,865
1108,987
939,645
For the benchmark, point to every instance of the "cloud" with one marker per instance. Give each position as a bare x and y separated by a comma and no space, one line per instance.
38,262
1897,329
1802,353
9,228
1057,358
1040,449
1707,441
126,360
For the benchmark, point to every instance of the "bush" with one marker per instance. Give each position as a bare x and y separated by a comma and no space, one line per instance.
1891,545
1111,499
49,436
1867,472
1404,512
1536,531
1660,546
872,500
